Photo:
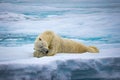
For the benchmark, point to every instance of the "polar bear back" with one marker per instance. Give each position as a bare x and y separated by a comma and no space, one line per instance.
69,46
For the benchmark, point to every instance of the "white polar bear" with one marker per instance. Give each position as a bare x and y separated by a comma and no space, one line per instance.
49,44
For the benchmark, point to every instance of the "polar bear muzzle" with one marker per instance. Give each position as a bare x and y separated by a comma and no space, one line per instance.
44,50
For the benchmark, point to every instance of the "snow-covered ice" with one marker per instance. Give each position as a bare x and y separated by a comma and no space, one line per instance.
22,65
63,66
26,52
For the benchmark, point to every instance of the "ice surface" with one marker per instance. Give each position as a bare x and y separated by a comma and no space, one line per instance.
22,65
26,52
19,63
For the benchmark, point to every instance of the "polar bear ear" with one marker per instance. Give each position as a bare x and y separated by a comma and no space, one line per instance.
40,39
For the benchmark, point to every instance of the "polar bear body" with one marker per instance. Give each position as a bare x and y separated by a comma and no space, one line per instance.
55,44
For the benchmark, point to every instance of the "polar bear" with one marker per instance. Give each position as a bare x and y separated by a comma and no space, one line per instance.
49,44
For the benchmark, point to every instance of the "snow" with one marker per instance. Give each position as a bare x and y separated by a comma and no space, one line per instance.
23,53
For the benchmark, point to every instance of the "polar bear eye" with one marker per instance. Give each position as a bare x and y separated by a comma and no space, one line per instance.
40,39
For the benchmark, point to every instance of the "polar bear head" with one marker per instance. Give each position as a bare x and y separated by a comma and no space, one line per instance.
43,41
41,46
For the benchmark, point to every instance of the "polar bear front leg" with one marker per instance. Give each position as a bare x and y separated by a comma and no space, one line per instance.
52,52
38,54
53,48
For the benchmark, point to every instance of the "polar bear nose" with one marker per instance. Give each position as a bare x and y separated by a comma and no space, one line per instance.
47,51
44,50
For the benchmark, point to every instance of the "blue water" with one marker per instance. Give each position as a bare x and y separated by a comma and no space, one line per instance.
96,21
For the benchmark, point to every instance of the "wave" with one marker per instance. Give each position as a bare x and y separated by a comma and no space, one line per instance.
9,16
8,39
29,8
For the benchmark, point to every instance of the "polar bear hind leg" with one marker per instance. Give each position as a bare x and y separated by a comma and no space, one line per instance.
92,49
